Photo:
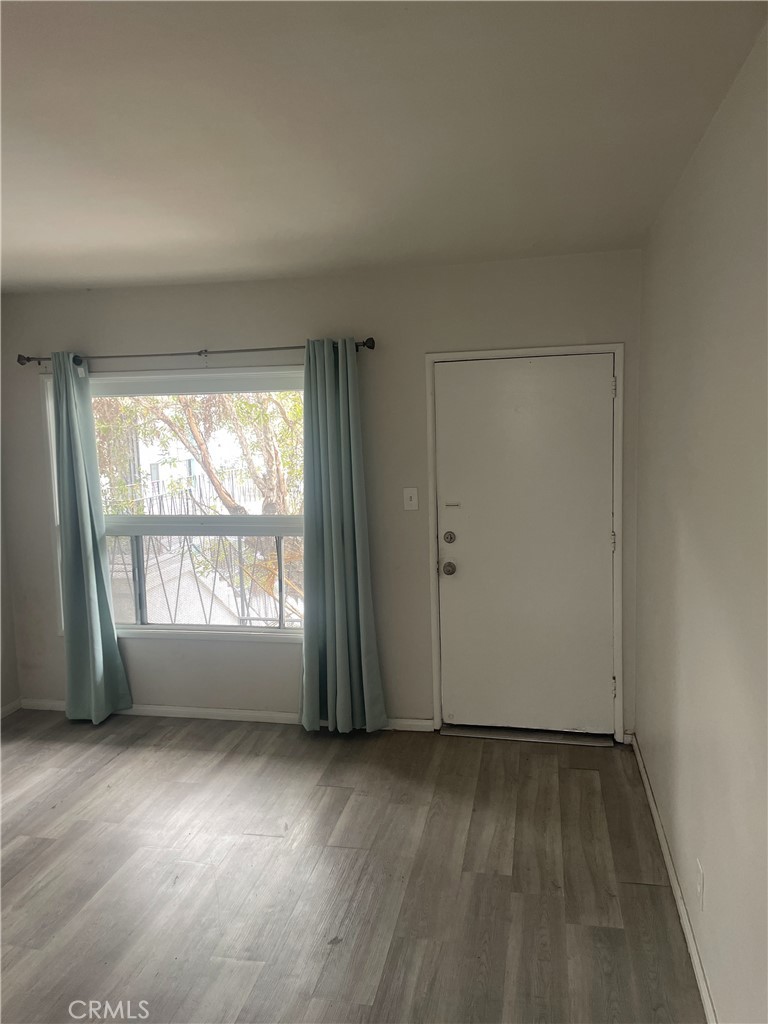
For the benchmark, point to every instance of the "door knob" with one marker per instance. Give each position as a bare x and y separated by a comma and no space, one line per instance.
449,568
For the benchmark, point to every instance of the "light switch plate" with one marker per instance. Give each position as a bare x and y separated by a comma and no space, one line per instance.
410,499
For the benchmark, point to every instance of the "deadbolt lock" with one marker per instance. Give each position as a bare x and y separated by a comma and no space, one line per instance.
449,536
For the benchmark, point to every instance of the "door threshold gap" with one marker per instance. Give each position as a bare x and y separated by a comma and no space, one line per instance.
487,732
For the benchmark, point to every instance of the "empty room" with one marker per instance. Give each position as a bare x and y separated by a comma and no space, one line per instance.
384,512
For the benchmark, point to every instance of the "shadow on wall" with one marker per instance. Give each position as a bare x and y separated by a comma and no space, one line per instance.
692,651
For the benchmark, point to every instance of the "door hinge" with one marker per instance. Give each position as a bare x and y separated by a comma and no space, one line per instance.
614,687
614,387
613,540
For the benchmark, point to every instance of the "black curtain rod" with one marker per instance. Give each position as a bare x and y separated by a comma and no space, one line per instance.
23,360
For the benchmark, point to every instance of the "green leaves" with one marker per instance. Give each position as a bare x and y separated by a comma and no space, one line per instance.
248,445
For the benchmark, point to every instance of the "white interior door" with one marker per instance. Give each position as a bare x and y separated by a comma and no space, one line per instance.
524,459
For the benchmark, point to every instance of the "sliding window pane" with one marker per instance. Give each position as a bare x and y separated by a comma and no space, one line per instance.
209,581
212,581
293,581
120,559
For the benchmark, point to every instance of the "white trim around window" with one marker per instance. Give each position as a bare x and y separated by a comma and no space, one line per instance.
228,633
204,526
196,382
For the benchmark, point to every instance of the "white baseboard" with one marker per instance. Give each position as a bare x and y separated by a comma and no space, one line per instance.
172,711
412,724
220,714
677,892
33,704
9,708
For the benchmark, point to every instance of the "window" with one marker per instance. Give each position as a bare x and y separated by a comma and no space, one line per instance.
202,487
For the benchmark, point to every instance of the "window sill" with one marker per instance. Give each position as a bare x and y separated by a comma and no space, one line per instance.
283,636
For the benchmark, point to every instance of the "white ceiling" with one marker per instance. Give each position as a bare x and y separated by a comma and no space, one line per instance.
185,141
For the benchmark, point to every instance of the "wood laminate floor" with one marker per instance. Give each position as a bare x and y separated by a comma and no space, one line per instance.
230,871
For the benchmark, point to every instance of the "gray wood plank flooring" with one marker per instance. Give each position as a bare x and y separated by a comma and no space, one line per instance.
238,872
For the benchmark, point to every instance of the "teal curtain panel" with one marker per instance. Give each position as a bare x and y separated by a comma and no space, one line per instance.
96,681
342,680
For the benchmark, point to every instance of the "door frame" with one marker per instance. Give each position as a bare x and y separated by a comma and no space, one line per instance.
432,359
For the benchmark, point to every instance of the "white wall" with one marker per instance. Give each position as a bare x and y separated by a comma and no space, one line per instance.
9,683
563,301
701,666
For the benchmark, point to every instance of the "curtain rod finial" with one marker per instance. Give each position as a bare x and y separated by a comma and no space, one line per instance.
369,343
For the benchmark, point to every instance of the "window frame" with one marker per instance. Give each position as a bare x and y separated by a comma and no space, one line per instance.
187,382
